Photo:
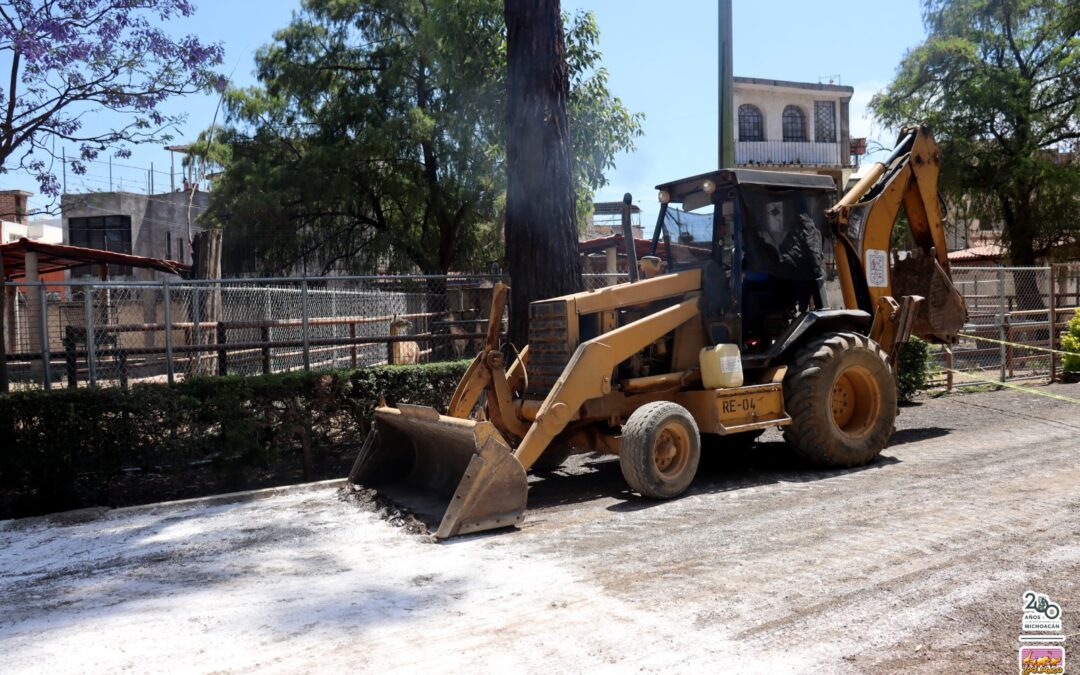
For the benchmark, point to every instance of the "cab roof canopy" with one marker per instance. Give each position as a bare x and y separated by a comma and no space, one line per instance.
680,189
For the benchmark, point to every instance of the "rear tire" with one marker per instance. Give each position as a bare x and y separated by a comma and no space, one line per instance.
841,397
660,450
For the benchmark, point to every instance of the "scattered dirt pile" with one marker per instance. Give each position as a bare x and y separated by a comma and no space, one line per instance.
369,499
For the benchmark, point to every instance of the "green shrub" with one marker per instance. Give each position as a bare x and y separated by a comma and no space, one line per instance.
68,448
913,364
1070,342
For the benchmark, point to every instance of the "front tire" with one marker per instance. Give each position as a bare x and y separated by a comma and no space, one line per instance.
660,450
841,397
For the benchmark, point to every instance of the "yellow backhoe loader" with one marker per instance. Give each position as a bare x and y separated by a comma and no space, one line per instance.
643,369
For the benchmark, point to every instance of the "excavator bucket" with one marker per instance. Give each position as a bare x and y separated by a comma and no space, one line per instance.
460,471
943,313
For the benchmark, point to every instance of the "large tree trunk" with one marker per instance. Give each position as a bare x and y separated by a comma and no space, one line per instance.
1021,238
206,264
541,226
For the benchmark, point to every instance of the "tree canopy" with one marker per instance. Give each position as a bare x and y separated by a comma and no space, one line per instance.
376,138
999,83
71,59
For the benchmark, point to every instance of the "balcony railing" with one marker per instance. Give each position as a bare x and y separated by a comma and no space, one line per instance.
786,153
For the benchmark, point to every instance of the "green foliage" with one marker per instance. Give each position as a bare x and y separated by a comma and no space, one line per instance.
66,448
997,82
1070,342
913,365
376,138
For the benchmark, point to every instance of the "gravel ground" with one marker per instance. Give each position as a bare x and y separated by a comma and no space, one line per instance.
916,563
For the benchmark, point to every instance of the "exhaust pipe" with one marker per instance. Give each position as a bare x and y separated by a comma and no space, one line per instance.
628,238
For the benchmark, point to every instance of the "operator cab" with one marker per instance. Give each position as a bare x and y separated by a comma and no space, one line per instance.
761,249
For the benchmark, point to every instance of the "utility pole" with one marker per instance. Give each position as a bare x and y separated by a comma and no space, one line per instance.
726,136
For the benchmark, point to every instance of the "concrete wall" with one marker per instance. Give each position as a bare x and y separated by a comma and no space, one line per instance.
36,230
155,220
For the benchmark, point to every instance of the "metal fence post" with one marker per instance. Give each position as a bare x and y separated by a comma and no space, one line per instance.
1001,320
196,335
170,369
46,352
1052,321
268,334
91,339
334,327
304,318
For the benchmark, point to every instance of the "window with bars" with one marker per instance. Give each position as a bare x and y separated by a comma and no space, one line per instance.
825,121
794,122
105,233
751,123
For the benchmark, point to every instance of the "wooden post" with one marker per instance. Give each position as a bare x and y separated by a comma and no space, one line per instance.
1009,352
352,348
70,342
948,369
121,358
223,353
264,334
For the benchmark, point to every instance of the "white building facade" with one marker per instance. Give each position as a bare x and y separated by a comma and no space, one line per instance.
793,126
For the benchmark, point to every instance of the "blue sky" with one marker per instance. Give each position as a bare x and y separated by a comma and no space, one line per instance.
661,58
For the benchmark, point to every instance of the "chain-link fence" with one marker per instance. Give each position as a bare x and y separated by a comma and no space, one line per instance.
1015,318
117,333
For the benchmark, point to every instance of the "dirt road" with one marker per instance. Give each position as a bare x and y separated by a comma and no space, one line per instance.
914,564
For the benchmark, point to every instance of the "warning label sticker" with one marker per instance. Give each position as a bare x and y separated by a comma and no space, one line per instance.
877,268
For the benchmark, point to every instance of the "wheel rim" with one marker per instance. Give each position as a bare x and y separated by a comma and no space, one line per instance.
671,452
855,401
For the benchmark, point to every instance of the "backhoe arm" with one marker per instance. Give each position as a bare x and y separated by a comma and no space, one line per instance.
863,222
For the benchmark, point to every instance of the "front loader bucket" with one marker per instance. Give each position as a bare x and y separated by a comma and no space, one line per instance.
429,462
943,313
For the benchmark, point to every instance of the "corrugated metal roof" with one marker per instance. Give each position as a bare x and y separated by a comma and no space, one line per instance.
641,246
56,257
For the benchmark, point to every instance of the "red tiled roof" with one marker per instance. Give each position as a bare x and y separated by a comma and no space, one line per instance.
981,252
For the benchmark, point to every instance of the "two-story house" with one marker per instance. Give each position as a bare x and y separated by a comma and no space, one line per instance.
793,126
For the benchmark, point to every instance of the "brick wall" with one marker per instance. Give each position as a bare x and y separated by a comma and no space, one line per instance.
13,207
